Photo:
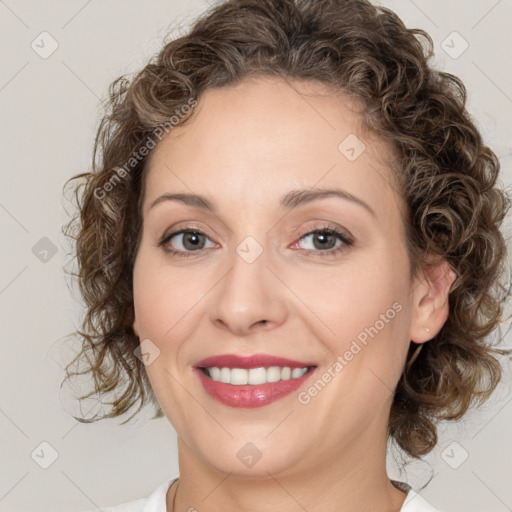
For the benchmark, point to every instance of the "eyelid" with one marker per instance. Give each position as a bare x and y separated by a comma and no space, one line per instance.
326,226
347,240
340,233
181,230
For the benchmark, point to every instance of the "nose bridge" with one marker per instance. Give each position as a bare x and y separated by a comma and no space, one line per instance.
246,297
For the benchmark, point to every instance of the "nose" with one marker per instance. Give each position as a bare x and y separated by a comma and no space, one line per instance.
248,298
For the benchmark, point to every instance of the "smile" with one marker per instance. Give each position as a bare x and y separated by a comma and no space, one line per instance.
254,387
253,376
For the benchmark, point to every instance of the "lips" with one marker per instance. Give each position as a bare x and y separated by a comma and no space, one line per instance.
247,362
251,395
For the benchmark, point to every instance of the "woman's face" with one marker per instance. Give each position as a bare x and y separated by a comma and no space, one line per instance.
262,276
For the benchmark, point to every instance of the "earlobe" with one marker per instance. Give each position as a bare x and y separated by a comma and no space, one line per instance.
430,302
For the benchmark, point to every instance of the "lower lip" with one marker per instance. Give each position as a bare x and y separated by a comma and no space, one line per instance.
250,395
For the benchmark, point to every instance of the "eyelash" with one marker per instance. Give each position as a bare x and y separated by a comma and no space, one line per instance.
347,242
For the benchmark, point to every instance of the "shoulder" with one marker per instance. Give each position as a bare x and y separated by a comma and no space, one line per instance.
130,506
416,503
155,502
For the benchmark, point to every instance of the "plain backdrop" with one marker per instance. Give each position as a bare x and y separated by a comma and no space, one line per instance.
50,107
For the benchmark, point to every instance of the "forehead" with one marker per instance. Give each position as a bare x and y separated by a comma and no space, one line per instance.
249,143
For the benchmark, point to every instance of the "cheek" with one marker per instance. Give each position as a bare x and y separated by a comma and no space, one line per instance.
168,300
156,298
350,297
164,301
361,312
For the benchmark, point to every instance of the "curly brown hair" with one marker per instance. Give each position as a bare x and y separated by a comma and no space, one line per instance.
446,175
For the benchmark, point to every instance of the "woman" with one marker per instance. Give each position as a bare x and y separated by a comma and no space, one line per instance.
289,244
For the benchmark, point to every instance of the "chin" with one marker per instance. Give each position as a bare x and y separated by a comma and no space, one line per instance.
253,459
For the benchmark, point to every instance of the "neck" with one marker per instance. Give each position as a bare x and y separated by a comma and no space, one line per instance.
352,478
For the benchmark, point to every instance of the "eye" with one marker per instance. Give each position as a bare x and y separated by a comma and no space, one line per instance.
325,241
187,242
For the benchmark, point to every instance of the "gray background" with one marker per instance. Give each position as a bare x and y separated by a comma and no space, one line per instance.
49,110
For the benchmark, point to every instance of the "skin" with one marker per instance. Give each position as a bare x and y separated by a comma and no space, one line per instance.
244,148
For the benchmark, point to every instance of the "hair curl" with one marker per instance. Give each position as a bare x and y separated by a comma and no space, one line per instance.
447,176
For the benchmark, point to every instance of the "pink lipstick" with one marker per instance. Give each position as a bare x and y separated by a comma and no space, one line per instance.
286,376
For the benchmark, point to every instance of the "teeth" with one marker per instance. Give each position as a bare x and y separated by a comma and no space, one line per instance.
241,376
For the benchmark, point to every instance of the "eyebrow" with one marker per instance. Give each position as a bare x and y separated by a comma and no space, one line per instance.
291,200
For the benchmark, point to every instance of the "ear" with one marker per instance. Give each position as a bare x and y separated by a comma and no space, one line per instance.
430,307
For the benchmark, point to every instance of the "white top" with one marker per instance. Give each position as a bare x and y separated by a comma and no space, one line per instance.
155,502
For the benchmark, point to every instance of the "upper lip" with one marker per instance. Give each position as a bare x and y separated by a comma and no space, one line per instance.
253,361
